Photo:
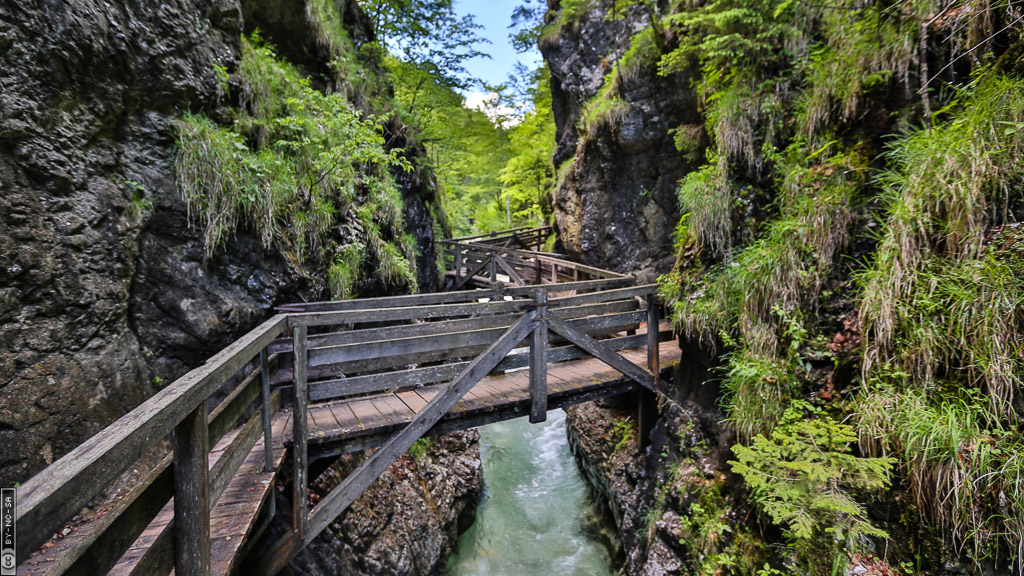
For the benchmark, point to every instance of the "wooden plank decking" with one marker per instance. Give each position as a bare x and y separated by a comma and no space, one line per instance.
354,424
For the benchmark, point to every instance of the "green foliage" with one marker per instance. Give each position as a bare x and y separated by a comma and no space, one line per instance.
293,160
784,268
345,271
623,432
803,477
419,450
937,287
492,173
717,543
327,26
141,204
528,174
756,390
707,200
863,51
798,98
729,34
428,35
607,107
965,468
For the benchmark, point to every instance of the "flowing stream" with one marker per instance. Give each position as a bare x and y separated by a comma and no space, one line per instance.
536,515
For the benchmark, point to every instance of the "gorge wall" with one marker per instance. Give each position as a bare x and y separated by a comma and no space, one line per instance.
107,289
813,182
105,293
618,167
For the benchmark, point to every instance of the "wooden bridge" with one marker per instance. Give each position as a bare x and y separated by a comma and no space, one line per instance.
326,378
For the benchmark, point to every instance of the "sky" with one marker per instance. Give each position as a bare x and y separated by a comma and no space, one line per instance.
495,16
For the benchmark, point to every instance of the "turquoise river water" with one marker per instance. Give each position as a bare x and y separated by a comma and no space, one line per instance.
536,515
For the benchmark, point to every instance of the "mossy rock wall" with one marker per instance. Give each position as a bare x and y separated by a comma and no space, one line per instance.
106,290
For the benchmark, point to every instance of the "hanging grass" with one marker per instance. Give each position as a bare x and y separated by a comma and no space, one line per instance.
293,160
940,293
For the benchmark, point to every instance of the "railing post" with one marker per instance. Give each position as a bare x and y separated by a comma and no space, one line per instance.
192,495
300,509
647,408
268,433
268,445
458,262
653,342
539,361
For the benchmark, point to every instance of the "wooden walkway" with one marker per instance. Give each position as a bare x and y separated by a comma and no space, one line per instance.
543,333
359,423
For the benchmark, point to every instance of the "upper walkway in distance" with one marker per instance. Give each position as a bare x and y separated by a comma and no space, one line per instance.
325,378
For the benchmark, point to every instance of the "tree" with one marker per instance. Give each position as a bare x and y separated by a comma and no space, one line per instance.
429,35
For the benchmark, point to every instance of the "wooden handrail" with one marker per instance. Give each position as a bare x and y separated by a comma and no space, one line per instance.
462,296
51,497
502,234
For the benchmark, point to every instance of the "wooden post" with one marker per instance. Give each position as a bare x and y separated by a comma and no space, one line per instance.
192,495
494,268
268,435
539,362
538,277
653,342
299,433
458,262
268,440
647,408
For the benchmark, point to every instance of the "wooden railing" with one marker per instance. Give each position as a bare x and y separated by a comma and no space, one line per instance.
457,339
53,497
521,238
484,265
324,351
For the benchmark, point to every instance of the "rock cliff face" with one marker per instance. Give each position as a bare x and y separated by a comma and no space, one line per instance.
104,292
615,200
647,496
104,295
89,90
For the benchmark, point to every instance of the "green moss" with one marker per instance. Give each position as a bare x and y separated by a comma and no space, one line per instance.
419,450
607,107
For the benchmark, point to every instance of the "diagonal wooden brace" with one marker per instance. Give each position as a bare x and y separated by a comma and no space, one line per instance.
345,493
469,275
509,270
601,351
